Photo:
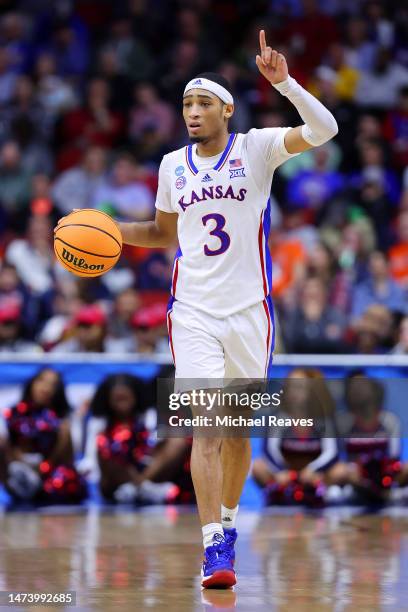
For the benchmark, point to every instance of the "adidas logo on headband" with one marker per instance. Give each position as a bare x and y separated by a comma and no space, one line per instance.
209,85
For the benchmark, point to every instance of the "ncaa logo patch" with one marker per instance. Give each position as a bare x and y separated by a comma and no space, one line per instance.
197,82
179,170
181,182
234,172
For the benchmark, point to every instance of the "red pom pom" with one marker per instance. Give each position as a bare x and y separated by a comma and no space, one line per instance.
44,467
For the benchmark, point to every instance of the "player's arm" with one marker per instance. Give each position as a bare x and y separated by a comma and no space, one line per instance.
161,232
320,125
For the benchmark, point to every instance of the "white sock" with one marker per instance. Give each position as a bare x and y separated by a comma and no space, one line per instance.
228,516
209,532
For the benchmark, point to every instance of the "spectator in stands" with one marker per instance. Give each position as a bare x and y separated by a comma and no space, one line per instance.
401,47
373,199
360,51
135,60
35,155
7,77
298,226
152,121
378,87
358,240
373,332
13,293
24,105
11,331
308,34
133,466
373,167
150,112
351,248
123,194
95,123
150,330
69,47
396,129
14,185
12,290
314,326
299,457
403,205
398,254
39,454
322,263
33,256
13,36
325,88
55,94
289,257
156,270
401,348
379,288
184,63
380,29
372,440
88,332
76,187
41,197
312,189
119,278
190,26
66,303
119,328
119,85
346,76
241,119
368,129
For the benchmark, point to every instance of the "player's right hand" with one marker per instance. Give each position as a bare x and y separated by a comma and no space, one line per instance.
64,217
271,64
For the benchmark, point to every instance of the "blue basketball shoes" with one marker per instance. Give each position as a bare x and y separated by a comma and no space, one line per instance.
218,564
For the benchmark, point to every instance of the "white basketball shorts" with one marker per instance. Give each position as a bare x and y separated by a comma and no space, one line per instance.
205,347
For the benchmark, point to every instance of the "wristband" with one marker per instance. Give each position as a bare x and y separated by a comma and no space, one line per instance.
287,86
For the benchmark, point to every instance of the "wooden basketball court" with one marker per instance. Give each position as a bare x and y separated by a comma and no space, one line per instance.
123,560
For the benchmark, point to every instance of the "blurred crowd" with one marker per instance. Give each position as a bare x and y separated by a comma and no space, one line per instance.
90,96
52,453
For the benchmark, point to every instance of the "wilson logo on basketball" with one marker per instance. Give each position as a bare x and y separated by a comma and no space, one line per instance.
79,263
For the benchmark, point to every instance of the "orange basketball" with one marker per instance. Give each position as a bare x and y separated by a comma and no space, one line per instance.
88,242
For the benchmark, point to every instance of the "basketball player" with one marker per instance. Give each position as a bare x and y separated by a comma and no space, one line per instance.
214,196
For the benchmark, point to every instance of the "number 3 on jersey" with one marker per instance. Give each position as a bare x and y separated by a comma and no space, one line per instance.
218,232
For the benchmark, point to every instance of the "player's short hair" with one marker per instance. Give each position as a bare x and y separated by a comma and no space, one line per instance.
217,78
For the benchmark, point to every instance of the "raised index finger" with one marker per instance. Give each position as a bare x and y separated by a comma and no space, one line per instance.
262,40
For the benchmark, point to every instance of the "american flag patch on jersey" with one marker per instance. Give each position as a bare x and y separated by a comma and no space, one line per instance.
235,163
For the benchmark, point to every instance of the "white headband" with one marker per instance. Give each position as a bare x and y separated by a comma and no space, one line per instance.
215,88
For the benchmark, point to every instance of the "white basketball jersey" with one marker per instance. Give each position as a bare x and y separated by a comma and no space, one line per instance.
223,263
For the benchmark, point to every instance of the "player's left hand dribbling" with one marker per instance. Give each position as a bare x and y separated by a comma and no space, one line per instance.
62,218
271,64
